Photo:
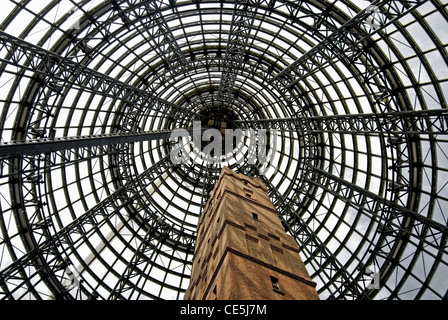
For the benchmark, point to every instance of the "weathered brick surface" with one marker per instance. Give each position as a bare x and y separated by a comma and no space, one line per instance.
237,255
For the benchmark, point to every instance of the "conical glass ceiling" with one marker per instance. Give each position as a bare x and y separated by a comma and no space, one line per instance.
352,96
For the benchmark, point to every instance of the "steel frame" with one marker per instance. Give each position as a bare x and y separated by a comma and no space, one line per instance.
242,21
348,41
349,38
392,123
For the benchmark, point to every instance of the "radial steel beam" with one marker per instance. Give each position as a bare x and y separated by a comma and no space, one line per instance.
47,258
45,145
400,123
374,198
398,224
145,253
157,31
391,225
163,38
50,67
242,21
348,40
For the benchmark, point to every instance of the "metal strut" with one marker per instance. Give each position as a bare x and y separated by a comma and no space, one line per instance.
151,243
242,21
44,145
396,223
400,123
61,71
347,40
46,258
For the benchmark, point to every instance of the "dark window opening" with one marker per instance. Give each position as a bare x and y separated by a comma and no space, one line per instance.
248,193
214,293
275,285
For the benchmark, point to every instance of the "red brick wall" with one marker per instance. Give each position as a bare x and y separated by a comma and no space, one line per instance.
236,255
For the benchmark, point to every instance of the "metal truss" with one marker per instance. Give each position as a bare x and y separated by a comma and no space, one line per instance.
40,164
242,21
156,29
56,73
396,224
45,258
144,254
347,42
397,126
45,145
359,174
128,14
392,123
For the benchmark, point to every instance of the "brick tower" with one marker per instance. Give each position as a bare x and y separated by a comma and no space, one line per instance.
242,251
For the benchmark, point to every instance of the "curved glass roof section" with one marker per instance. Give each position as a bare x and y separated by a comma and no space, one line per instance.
93,206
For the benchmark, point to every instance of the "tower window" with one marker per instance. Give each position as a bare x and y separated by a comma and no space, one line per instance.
214,293
248,193
255,215
275,285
